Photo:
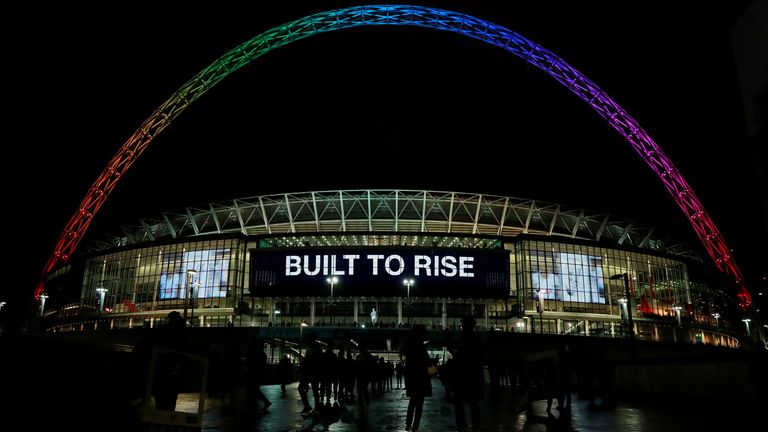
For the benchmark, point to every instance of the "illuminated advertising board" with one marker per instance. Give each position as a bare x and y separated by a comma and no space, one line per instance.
459,273
568,277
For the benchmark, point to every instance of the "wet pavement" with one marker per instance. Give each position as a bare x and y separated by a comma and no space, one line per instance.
501,413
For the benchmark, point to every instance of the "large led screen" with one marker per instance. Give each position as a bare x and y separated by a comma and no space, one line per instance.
209,281
380,272
568,277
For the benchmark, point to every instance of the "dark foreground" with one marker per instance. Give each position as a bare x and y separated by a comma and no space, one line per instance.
60,385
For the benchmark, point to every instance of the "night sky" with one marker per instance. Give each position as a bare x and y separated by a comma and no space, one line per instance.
385,107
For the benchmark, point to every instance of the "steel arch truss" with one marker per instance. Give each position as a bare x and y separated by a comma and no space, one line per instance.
404,15
393,211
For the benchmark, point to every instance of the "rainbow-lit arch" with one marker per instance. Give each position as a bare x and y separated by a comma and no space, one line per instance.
418,16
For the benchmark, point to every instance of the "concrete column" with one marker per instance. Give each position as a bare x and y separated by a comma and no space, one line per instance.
613,329
399,310
445,314
586,327
559,326
312,312
486,316
354,309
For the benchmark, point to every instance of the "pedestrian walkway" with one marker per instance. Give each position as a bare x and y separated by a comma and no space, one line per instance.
505,413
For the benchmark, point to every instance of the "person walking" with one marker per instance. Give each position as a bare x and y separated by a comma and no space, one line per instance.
285,369
418,385
256,362
469,377
309,373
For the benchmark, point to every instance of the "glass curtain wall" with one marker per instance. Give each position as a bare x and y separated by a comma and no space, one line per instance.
165,277
577,278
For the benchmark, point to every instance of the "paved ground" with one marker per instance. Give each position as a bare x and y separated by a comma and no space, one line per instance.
504,413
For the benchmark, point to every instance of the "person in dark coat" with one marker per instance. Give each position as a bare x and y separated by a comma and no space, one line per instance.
256,362
417,382
469,377
285,371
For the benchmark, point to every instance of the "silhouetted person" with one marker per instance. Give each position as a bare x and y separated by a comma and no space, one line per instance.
565,362
468,375
256,361
417,382
364,365
285,370
309,370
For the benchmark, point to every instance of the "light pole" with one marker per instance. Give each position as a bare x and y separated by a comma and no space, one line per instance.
332,281
408,283
677,308
716,316
101,291
540,309
746,322
629,301
190,274
43,296
301,335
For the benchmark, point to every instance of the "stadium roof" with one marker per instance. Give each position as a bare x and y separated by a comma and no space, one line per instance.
393,211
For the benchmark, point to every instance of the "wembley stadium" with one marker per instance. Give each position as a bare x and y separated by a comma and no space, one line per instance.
393,258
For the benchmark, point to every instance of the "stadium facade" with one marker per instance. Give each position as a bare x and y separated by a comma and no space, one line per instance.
390,258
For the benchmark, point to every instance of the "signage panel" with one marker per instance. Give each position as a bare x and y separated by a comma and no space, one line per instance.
380,272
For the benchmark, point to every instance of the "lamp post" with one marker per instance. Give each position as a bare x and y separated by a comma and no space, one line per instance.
102,291
190,274
540,308
43,296
408,283
629,301
716,316
677,308
301,335
2,303
746,322
332,281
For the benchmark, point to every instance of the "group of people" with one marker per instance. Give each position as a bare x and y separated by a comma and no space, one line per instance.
330,375
467,381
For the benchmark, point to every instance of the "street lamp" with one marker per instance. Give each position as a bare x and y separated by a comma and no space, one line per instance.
746,322
408,283
43,296
301,335
1,305
716,316
190,274
677,308
332,281
629,301
101,291
623,303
